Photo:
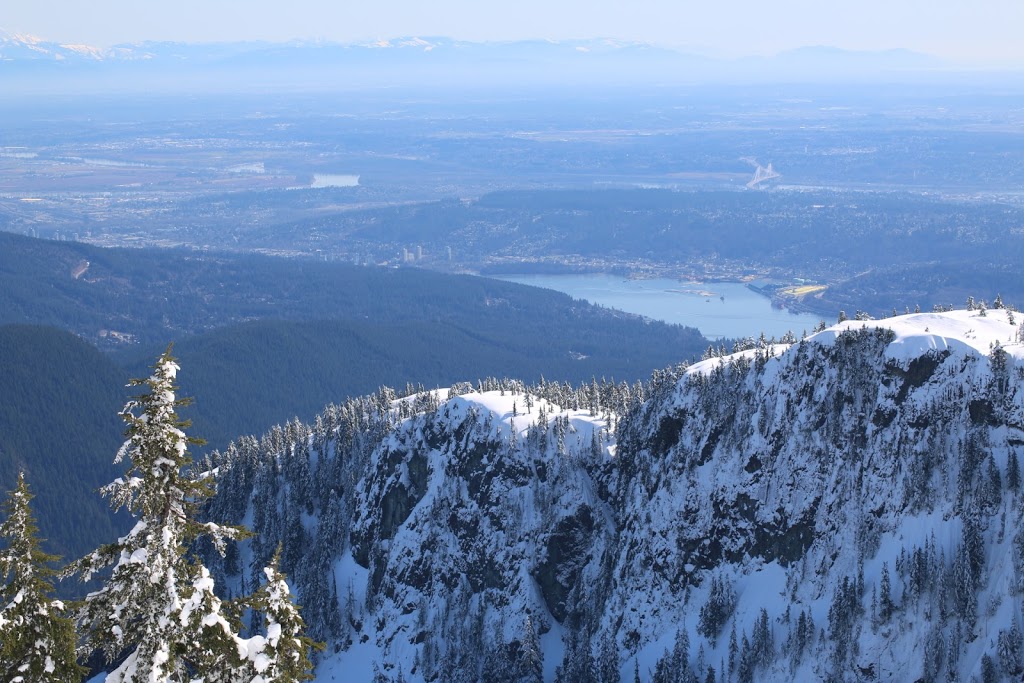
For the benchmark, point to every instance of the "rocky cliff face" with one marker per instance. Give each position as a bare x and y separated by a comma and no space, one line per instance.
790,469
475,527
846,507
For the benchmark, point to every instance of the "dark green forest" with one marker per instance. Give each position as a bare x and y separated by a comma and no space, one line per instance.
260,340
157,295
59,423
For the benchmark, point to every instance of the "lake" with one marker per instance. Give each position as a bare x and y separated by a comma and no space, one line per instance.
718,309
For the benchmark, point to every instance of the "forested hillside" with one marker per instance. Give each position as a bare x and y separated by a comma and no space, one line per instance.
265,340
59,423
157,295
248,377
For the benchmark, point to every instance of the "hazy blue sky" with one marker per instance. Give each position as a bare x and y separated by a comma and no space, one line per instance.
982,30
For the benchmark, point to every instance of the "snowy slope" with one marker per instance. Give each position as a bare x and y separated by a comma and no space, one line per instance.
457,521
842,508
788,469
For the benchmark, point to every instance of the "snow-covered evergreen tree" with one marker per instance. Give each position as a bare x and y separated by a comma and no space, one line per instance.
1012,472
1011,650
718,609
282,655
36,642
157,604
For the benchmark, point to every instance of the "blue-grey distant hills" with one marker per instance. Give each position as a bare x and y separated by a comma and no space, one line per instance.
441,61
19,47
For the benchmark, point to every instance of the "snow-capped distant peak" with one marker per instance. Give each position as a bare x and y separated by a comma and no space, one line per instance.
23,38
85,50
27,46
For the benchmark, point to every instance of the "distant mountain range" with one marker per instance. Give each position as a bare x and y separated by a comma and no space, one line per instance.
422,60
15,47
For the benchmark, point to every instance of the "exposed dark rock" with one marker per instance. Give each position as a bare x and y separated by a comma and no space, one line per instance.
982,412
567,552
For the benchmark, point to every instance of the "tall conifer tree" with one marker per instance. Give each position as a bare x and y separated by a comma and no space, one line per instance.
282,656
157,604
36,642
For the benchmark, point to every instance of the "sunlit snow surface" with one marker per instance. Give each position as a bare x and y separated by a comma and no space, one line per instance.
917,334
510,417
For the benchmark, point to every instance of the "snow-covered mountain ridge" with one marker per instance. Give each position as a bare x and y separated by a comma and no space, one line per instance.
21,48
26,47
844,507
